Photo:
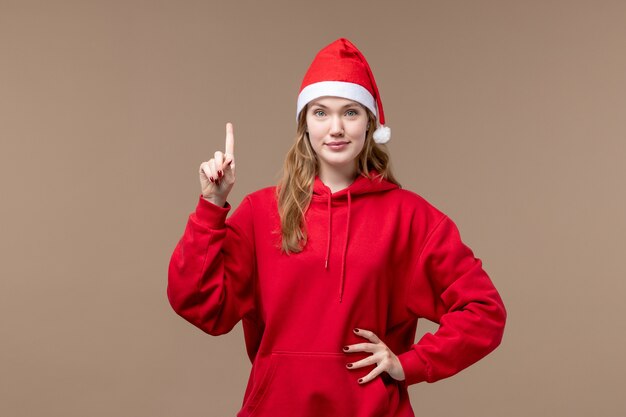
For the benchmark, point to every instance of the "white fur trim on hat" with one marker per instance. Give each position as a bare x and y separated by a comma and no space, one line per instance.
343,89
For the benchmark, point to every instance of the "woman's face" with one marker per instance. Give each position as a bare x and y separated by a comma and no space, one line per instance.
337,129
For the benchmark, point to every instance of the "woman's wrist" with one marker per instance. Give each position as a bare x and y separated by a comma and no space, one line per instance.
218,202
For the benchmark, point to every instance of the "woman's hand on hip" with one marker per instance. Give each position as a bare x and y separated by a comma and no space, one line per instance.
217,175
382,356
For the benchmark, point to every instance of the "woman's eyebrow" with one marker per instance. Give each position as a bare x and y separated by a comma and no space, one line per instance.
343,107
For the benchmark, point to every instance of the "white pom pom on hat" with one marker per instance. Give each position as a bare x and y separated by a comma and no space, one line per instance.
341,70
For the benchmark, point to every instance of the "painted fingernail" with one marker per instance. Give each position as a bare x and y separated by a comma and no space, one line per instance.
356,330
346,348
349,365
220,173
360,380
212,179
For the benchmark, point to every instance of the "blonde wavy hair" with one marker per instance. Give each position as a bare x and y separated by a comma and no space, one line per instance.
295,189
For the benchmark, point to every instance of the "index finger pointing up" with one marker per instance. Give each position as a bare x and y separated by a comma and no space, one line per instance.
230,140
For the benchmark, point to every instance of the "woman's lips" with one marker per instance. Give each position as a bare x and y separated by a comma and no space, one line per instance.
337,145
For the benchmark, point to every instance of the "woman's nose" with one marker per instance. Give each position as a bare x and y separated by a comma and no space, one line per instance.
336,127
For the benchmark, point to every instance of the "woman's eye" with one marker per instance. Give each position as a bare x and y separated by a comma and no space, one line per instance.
352,113
318,113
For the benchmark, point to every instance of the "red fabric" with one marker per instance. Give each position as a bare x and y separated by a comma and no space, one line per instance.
403,259
339,61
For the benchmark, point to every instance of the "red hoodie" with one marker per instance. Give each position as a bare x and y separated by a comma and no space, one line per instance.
378,257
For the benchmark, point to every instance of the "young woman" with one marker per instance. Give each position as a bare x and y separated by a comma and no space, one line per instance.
330,270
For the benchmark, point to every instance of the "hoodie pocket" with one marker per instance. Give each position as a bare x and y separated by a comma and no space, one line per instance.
313,384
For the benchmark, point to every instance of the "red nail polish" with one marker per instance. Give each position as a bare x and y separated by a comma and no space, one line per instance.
356,330
220,174
346,348
212,180
349,365
360,380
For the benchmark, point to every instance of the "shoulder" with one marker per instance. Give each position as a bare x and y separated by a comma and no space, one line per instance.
259,204
262,198
411,210
411,201
261,194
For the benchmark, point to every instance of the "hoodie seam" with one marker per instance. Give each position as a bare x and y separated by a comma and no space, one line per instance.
251,243
419,258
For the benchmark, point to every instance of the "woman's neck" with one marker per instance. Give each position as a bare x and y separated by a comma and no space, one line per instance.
337,180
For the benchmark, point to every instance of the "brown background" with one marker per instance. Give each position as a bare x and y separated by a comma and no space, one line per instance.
509,116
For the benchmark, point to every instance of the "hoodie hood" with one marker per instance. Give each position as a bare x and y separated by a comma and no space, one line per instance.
361,186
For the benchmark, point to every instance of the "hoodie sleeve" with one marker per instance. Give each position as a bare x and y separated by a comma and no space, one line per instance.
449,286
211,271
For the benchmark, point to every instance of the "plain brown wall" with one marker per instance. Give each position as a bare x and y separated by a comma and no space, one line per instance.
509,116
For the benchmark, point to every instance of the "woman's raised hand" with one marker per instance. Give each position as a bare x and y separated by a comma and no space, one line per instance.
217,175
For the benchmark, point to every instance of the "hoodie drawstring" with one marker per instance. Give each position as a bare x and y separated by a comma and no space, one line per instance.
345,245
345,249
329,234
362,186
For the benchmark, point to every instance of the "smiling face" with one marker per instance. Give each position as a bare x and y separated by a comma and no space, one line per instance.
337,129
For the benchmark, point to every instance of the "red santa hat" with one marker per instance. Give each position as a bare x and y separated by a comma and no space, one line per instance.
341,70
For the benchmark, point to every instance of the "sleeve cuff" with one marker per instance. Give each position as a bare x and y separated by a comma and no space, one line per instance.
211,215
415,369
